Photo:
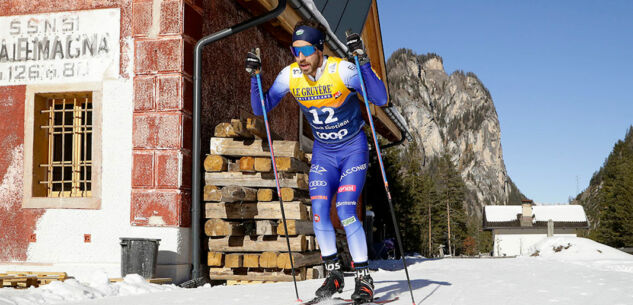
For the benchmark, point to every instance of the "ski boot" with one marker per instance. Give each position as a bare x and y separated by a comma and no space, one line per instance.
334,282
364,291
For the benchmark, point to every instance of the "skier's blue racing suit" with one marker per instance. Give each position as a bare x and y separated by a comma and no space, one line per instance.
340,154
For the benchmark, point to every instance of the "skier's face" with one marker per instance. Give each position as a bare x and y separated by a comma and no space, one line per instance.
308,64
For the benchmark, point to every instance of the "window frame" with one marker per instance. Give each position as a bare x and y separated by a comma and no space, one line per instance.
93,202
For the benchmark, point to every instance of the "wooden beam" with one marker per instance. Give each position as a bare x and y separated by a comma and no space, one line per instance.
254,148
233,261
295,227
266,227
257,244
251,260
259,210
299,259
215,259
247,164
290,194
219,227
292,180
268,259
255,275
265,194
229,193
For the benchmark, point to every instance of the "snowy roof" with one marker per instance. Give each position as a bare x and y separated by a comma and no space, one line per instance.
541,213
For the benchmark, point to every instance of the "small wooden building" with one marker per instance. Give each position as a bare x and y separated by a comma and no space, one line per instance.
515,229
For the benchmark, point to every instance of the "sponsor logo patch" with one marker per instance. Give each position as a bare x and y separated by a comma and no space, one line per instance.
317,218
318,197
317,169
342,203
337,94
347,188
296,72
318,183
348,221
300,32
352,170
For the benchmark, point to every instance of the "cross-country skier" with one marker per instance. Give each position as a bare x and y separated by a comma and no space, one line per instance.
325,88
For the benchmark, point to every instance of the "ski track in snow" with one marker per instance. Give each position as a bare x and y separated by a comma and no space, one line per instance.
580,276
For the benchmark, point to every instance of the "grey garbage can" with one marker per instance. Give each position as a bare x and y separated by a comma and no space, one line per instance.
138,255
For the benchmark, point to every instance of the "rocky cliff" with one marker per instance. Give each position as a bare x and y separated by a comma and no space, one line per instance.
453,114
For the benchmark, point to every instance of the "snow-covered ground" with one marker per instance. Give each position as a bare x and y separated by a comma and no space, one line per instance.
566,271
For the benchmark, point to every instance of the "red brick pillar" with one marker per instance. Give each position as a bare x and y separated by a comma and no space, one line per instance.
165,32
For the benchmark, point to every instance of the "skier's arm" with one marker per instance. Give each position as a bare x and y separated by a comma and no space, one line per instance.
376,91
273,96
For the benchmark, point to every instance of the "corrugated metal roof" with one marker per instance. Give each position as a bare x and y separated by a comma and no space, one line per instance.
342,15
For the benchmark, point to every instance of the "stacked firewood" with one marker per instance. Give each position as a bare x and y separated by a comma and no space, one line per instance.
246,234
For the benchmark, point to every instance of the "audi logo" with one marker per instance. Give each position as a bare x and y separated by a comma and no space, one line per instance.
317,183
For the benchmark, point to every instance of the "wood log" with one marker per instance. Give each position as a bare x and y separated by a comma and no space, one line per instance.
247,164
268,260
219,227
239,127
224,130
266,227
229,193
215,259
263,164
257,244
212,193
215,163
233,261
312,243
257,127
299,259
292,180
284,164
308,158
251,260
290,194
255,274
301,227
266,195
233,193
256,210
254,148
234,167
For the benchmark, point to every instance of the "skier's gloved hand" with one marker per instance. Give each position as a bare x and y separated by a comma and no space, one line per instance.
253,62
356,47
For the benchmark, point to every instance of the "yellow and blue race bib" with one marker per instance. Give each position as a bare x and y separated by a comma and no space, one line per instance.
331,108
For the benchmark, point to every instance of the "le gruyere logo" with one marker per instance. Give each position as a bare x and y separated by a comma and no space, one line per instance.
312,93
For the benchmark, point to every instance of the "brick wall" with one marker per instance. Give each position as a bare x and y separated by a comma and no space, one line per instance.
164,35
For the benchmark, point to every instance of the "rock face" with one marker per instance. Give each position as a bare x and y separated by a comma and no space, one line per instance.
453,114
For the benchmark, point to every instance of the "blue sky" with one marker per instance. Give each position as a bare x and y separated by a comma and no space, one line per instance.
560,74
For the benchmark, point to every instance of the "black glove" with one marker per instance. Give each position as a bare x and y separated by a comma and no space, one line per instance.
253,62
355,46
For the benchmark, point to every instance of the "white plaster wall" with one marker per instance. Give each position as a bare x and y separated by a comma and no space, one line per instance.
512,242
60,233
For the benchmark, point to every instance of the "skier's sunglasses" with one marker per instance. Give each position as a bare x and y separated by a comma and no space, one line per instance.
306,50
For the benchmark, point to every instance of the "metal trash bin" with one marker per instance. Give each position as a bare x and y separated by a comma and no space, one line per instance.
139,255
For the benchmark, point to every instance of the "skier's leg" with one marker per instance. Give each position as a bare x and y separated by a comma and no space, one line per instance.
322,179
353,172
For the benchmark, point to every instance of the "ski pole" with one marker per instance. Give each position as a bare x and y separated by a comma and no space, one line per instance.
382,170
272,156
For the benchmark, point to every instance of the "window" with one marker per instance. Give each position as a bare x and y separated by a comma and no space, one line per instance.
62,160
62,146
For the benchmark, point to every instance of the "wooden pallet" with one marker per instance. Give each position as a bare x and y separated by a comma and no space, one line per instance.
262,274
158,280
23,279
